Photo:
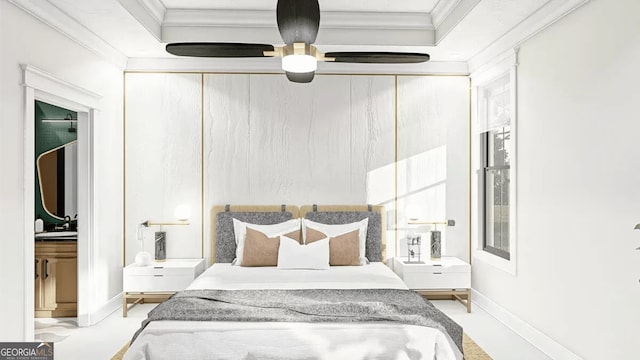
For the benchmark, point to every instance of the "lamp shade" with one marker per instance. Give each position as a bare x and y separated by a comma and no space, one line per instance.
182,212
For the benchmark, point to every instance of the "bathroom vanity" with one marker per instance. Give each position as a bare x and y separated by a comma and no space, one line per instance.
56,274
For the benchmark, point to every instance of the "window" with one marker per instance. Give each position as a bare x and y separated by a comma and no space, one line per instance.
496,182
494,161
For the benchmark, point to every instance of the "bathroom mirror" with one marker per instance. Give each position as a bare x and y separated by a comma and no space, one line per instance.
58,177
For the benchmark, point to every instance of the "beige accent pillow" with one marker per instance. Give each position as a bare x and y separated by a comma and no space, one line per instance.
344,250
314,235
260,250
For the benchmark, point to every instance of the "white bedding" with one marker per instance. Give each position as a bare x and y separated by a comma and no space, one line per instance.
230,277
162,340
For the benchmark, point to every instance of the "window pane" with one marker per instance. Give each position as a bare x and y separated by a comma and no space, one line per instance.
500,140
496,187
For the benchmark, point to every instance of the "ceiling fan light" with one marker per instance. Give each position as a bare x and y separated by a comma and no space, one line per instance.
297,63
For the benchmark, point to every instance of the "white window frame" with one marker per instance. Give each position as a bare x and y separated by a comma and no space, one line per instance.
505,65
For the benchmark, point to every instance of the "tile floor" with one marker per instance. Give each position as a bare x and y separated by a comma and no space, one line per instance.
106,338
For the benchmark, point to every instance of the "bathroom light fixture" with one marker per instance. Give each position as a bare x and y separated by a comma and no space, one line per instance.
68,118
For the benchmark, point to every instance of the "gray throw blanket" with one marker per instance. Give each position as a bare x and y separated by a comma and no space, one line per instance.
305,305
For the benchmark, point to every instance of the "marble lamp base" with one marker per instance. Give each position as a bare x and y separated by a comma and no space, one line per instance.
161,245
436,244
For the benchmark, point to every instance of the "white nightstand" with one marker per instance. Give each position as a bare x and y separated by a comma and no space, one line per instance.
448,276
159,280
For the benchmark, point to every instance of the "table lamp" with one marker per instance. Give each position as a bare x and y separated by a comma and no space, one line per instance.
182,214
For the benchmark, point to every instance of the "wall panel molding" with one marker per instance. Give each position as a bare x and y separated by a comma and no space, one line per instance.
265,140
163,152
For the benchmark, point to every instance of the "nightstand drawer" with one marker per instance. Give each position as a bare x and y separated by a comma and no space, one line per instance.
156,283
159,270
437,280
445,267
168,268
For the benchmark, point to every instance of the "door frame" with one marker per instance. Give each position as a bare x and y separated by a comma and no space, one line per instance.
42,86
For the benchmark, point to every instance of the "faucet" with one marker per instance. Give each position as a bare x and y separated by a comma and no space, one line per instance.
67,221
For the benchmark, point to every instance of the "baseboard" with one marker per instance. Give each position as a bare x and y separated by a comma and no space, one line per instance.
541,341
107,309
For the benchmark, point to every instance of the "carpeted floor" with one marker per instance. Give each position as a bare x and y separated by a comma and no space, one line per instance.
471,350
54,329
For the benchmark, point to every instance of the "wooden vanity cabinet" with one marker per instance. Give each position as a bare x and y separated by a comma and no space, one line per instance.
56,279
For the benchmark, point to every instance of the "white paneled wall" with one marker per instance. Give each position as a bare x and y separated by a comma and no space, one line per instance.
429,109
163,160
269,141
373,138
299,141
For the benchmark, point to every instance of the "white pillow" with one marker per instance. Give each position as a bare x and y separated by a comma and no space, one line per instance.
335,230
293,255
240,233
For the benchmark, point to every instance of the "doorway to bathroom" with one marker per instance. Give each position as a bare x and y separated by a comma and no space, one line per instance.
46,88
56,214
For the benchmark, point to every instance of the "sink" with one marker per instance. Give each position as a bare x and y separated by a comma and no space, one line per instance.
57,235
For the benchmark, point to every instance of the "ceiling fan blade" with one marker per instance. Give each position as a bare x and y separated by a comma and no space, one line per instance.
300,77
378,57
222,50
298,20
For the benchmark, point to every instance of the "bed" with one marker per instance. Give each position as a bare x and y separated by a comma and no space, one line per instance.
359,311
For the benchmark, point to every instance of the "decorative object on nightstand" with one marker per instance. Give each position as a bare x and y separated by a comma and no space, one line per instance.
448,276
436,245
414,243
182,213
159,280
436,236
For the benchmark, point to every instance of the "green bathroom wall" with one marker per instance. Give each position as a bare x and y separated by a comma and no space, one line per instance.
50,135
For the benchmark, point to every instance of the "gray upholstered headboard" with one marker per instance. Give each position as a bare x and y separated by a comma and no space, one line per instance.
223,248
345,214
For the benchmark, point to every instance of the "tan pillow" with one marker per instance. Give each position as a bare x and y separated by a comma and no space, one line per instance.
344,250
314,235
260,250
295,235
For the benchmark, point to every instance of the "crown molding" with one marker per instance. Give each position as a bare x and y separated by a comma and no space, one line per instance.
49,14
345,28
221,18
267,18
149,13
453,17
155,7
547,15
442,10
274,66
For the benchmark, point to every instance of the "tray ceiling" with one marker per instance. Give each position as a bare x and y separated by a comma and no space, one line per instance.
449,30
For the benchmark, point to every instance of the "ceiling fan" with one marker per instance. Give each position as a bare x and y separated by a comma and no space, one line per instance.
298,23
